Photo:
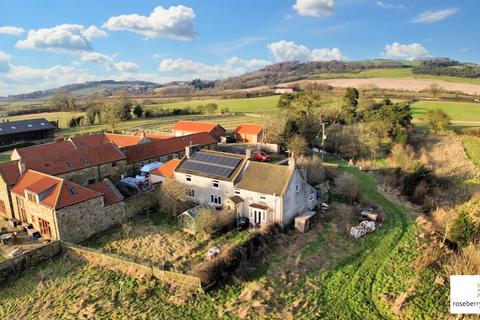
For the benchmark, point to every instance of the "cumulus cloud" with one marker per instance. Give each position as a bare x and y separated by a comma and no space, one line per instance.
314,8
175,22
186,69
434,16
405,51
109,62
290,51
62,38
13,31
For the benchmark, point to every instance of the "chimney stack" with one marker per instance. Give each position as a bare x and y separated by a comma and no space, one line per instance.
292,162
21,167
190,150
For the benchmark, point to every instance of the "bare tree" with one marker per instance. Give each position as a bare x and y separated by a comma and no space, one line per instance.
111,113
172,197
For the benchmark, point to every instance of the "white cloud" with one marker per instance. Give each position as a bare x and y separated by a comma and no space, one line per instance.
13,31
405,51
387,5
315,8
109,62
434,16
4,65
172,23
252,63
72,38
290,51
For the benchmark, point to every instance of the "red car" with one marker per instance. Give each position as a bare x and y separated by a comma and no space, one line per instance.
261,156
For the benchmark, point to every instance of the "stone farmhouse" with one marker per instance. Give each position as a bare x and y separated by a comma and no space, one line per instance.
249,132
262,192
182,128
66,190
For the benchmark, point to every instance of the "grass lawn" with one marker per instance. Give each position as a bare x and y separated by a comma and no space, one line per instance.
61,117
249,105
363,285
5,156
458,111
472,149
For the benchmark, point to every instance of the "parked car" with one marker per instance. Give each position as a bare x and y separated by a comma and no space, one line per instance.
261,156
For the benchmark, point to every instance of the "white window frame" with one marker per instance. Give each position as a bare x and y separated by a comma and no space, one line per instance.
237,192
252,215
297,188
188,178
216,199
215,184
312,197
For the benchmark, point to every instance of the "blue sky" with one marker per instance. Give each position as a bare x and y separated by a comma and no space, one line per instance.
48,43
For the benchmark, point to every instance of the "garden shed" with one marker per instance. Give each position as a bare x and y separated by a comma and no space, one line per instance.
187,219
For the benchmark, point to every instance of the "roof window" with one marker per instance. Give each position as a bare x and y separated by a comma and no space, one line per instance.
72,191
13,127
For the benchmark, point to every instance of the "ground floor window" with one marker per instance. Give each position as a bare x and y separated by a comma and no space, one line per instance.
45,228
191,193
216,199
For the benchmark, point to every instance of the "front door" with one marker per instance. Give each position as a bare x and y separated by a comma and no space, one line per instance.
256,216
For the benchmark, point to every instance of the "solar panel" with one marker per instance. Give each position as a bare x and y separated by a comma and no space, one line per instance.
212,164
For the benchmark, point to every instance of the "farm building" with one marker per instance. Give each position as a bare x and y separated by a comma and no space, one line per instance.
262,192
164,171
182,128
25,132
248,132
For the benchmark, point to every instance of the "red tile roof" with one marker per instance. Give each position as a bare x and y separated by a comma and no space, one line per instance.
120,140
46,148
110,194
194,126
167,169
60,162
56,193
249,128
10,172
158,136
159,148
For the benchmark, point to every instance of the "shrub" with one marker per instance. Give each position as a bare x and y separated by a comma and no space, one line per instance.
172,197
314,168
437,120
412,180
348,186
463,230
205,221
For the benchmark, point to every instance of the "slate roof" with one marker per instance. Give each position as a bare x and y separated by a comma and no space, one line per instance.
167,169
20,126
10,172
56,192
110,194
194,126
159,148
249,128
265,178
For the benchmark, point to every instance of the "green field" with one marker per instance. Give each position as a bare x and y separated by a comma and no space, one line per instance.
363,286
61,117
472,149
458,111
248,105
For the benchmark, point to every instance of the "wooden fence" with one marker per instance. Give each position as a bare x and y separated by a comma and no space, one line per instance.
131,268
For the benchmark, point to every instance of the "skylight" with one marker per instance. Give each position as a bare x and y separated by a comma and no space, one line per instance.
42,123
72,191
85,162
29,125
13,127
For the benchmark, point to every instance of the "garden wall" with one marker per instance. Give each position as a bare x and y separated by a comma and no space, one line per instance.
13,267
131,268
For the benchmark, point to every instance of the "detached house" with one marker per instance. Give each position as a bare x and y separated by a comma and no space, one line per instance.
182,128
248,132
263,193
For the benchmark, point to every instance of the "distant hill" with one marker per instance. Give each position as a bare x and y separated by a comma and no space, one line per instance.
91,87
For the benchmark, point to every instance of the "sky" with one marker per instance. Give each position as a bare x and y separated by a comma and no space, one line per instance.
49,43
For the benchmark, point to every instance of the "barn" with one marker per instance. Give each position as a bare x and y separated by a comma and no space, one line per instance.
23,133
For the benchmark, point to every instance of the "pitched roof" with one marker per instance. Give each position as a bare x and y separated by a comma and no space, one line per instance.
56,192
46,148
167,169
12,127
10,172
60,162
158,148
194,126
120,140
110,194
158,136
249,128
265,178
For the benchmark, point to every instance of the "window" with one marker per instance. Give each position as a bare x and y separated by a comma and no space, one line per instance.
42,123
297,188
31,197
69,163
188,178
236,192
45,228
215,184
215,199
257,216
190,193
2,207
72,191
29,125
311,197
262,198
114,164
91,181
85,162
21,209
13,127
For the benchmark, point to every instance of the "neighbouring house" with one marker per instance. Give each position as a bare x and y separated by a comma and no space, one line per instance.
25,132
249,132
62,210
164,171
183,127
262,192
285,89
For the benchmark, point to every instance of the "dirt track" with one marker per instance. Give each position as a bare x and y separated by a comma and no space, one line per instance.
411,84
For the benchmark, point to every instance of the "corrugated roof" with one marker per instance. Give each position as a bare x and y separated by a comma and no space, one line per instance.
158,148
59,193
194,126
55,163
249,128
167,169
110,194
20,126
265,178
10,172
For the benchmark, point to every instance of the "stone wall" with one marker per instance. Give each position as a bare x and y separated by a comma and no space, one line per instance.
110,170
139,203
5,197
13,267
113,171
34,211
82,176
79,222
